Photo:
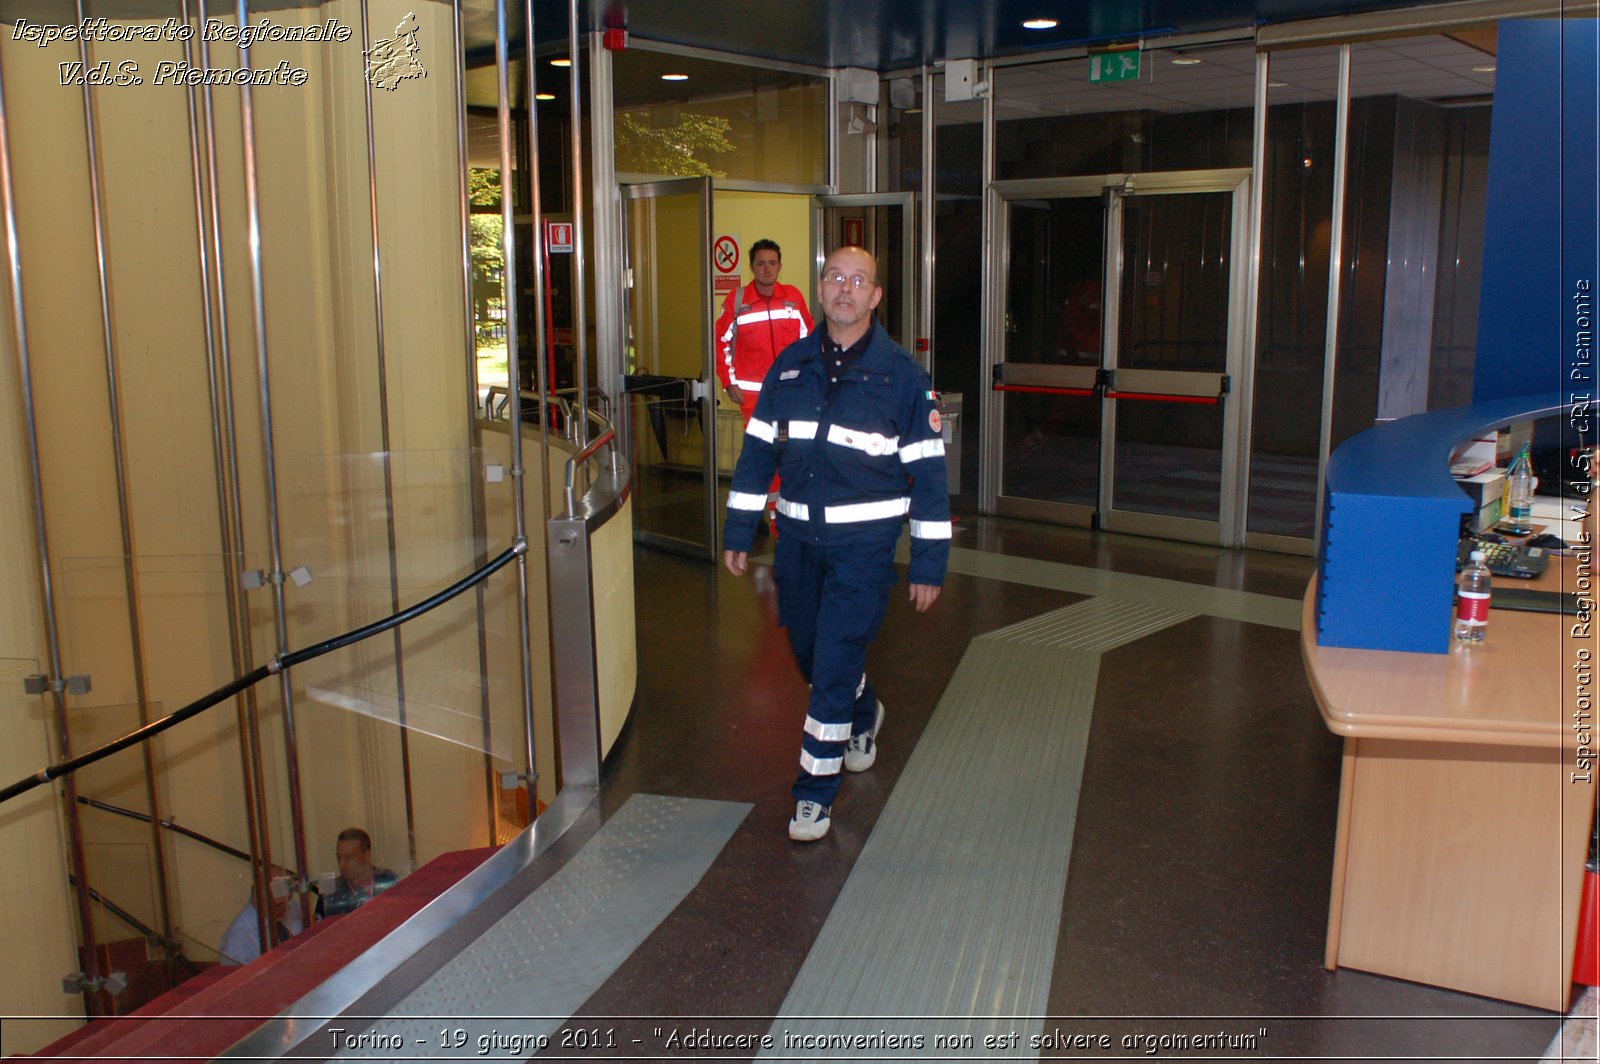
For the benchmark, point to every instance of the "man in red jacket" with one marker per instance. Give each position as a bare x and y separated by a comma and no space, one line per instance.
758,321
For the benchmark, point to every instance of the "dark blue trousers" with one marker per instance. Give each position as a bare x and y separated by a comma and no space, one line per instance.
832,600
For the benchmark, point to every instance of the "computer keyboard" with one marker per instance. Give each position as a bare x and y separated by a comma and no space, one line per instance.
1505,559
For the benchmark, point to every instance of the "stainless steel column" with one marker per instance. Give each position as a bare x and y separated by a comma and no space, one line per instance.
223,447
388,461
124,519
1330,353
291,747
580,318
480,541
513,369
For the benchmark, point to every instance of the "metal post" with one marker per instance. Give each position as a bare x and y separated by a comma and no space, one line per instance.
480,539
252,198
1245,389
388,459
930,182
77,865
580,329
1330,354
222,449
120,468
513,368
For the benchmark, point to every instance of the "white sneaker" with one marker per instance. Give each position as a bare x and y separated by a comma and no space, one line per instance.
810,822
863,749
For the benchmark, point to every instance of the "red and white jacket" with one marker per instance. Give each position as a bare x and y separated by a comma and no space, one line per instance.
754,329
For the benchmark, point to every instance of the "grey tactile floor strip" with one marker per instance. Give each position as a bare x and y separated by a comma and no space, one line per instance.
1246,606
947,925
581,924
1096,624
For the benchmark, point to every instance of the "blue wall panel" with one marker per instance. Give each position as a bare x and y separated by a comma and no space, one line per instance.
1540,237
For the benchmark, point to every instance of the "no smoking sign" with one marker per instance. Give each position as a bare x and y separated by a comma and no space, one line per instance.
725,263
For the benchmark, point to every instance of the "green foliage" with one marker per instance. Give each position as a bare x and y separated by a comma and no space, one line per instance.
483,187
676,150
485,230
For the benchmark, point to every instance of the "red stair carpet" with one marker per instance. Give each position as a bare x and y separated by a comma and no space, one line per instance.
215,1009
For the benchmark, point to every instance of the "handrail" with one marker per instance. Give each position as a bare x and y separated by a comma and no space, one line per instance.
286,660
168,823
583,456
118,911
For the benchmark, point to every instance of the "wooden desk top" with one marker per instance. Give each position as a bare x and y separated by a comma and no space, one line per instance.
1517,688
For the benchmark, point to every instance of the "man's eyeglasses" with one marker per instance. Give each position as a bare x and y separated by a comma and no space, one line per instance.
839,280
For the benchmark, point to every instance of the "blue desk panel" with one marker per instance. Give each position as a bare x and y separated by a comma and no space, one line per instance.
1393,517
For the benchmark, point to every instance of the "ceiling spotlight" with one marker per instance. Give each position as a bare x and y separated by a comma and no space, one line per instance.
1277,84
561,62
674,77
1185,60
544,96
1487,69
1040,24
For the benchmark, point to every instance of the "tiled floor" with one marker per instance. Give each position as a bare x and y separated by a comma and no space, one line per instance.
1189,878
1198,889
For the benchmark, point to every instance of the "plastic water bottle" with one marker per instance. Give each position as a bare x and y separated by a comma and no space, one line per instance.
1519,496
1472,602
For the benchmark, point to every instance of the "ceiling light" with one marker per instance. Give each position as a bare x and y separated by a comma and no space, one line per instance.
1489,69
544,96
674,77
1040,24
1185,60
561,62
1277,84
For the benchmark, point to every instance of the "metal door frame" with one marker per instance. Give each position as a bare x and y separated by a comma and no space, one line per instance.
907,201
701,389
1112,189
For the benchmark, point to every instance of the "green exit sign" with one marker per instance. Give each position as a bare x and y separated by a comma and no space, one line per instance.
1114,66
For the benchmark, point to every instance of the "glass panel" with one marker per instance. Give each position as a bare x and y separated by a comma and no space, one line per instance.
1291,324
667,323
718,119
1189,109
1168,459
901,134
1173,313
1053,308
958,274
393,549
1175,265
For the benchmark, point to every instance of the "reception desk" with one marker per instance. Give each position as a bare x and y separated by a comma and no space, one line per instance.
1464,804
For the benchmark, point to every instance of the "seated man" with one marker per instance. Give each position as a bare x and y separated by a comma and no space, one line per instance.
358,881
241,943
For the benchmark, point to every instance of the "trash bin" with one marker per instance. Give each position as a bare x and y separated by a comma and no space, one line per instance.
950,404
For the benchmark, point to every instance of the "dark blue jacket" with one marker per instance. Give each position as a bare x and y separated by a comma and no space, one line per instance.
852,467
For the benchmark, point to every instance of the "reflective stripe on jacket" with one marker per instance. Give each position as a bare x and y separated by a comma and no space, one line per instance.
753,330
852,467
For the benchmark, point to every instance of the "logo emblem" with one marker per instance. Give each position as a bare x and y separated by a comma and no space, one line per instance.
393,61
934,421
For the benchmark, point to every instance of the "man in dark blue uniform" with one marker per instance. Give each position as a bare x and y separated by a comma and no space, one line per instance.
851,425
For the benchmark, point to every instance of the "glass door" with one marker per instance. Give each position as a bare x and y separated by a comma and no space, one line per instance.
1122,321
885,224
670,399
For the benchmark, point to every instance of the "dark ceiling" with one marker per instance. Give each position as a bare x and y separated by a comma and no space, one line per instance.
897,34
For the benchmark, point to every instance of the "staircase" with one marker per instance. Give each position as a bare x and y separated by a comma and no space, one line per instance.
207,1014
